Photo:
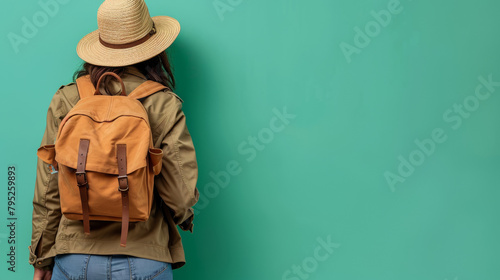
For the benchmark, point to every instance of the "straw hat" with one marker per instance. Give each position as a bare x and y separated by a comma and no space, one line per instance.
127,34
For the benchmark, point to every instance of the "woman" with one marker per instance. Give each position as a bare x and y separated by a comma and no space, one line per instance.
133,45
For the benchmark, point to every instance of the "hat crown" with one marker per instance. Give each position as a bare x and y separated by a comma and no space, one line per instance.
123,21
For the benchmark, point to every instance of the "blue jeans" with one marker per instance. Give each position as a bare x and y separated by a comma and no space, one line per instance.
116,267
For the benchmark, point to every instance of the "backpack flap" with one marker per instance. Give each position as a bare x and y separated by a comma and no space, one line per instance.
102,158
100,120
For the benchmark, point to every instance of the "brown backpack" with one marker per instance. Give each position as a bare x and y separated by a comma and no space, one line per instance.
105,157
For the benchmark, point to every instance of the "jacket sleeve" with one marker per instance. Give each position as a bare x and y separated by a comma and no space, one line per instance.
46,208
176,183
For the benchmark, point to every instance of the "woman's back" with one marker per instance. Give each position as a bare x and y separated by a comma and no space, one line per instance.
175,188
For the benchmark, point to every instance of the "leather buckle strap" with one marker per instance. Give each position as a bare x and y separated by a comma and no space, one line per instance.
123,183
81,180
121,156
125,219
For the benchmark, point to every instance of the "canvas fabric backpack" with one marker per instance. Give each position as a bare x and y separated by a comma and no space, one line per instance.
105,157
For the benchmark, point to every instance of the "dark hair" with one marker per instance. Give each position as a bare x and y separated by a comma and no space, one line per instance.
156,68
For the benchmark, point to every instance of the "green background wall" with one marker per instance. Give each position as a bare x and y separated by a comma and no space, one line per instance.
389,151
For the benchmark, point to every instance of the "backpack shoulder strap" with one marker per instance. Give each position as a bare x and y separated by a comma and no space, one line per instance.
85,87
146,89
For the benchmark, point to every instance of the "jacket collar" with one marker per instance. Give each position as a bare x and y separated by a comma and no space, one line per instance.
134,71
132,78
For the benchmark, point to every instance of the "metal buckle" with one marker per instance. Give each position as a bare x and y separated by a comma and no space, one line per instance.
85,183
126,182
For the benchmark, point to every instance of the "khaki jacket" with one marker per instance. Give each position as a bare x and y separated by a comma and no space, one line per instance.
157,238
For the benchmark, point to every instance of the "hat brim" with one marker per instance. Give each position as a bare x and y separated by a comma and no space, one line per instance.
92,51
